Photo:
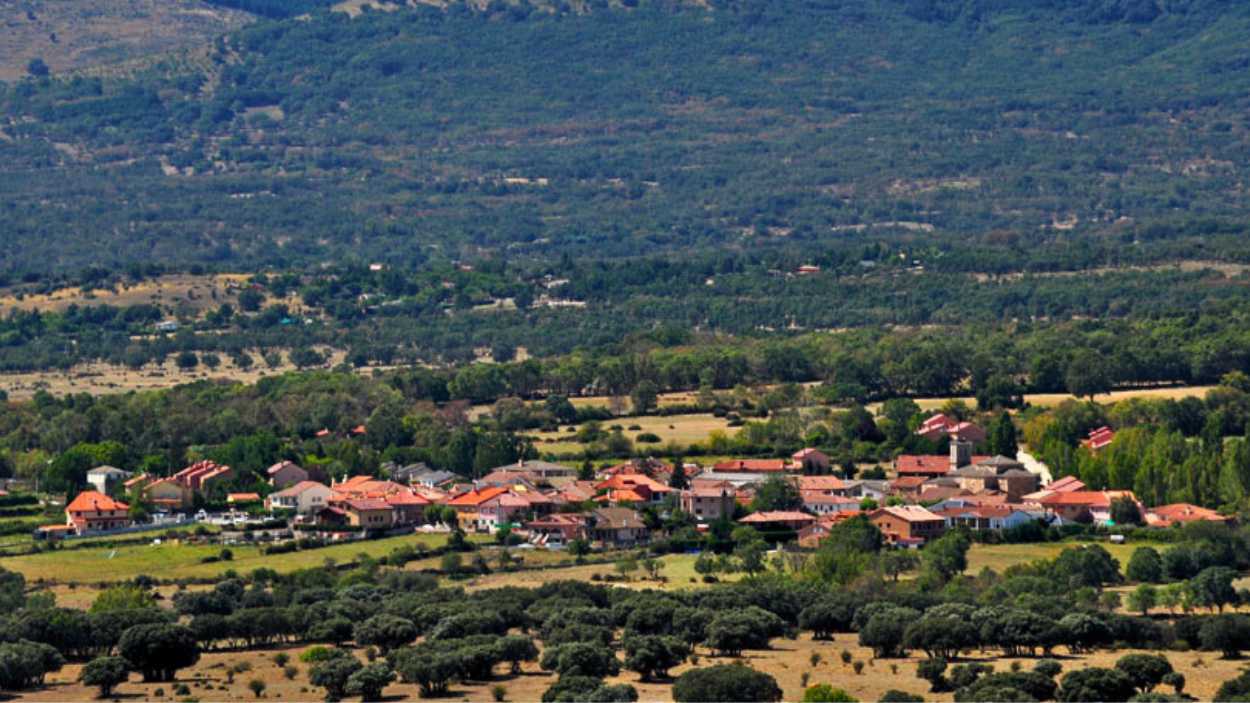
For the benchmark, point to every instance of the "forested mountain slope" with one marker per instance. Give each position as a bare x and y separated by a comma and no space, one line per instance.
970,135
103,35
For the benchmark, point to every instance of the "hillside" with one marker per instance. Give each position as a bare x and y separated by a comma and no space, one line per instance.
70,35
942,162
430,133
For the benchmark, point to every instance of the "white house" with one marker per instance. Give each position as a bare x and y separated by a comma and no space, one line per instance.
305,498
105,477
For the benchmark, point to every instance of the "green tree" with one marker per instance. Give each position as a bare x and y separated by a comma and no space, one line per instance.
1143,598
1002,436
122,598
947,556
369,681
159,650
105,673
1145,565
726,683
644,397
653,655
333,673
776,493
1146,670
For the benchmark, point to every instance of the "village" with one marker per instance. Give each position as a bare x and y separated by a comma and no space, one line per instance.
540,504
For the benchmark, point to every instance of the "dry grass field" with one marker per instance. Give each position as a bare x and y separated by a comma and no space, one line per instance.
102,378
71,35
684,429
1050,400
196,293
788,660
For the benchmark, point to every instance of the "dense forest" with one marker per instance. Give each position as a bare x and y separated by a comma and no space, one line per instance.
664,165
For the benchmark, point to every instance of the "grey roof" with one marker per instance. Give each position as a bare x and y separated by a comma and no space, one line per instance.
977,471
107,471
1018,473
738,478
537,467
1000,463
428,476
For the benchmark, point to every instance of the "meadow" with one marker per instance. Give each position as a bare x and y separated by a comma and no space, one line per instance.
174,560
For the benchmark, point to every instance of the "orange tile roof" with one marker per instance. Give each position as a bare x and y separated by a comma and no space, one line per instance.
476,497
752,465
778,516
94,502
820,483
1165,515
1093,499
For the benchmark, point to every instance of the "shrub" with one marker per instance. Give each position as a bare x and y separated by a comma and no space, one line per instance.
729,683
824,693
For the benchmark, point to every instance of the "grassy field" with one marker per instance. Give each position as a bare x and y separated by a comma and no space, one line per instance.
1000,556
171,560
685,429
678,571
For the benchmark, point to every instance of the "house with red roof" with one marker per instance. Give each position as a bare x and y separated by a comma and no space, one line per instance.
92,511
468,503
367,513
924,465
709,503
988,517
632,488
202,475
618,527
167,494
1084,506
753,466
285,473
778,520
822,484
941,425
305,498
813,460
557,530
408,508
505,508
1099,438
821,503
907,525
1181,514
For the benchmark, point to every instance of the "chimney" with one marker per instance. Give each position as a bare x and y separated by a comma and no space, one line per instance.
961,453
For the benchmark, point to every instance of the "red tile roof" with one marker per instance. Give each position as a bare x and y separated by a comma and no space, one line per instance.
778,516
752,465
929,464
366,504
94,502
820,483
1165,515
1093,499
1066,484
909,513
476,497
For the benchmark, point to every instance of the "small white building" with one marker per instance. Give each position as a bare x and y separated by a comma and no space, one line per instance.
305,498
105,477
